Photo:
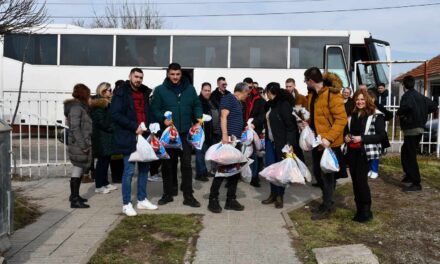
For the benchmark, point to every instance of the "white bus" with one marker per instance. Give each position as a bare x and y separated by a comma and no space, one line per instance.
59,56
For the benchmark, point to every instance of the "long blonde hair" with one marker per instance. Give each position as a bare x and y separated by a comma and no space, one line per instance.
102,87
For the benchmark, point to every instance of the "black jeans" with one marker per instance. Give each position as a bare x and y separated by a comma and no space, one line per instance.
232,184
408,158
359,168
117,169
326,180
101,171
169,168
154,167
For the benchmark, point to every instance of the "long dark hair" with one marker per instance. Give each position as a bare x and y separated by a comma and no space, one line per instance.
280,94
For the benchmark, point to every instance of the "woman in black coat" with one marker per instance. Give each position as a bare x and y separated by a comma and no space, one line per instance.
281,130
363,136
102,136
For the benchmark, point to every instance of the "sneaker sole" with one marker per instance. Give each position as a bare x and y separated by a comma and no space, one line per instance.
144,208
234,209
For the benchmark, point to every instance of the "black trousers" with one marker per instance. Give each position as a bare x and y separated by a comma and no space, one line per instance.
232,184
408,158
117,168
101,171
154,167
359,168
326,181
169,168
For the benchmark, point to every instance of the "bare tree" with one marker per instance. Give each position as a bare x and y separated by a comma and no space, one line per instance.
19,15
132,16
79,22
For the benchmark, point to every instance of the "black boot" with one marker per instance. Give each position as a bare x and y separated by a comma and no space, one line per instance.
279,202
188,199
233,204
76,202
358,212
365,214
270,199
165,199
71,193
214,206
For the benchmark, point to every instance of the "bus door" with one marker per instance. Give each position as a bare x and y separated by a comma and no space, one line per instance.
372,74
189,74
335,62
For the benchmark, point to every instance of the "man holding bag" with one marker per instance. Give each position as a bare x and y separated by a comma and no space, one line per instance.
178,96
231,124
130,108
327,119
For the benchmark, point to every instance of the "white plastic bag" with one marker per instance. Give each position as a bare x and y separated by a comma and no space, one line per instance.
144,152
283,173
329,161
247,150
224,154
247,137
307,140
246,172
304,170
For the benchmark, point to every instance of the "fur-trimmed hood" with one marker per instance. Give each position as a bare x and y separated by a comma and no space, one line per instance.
100,102
332,81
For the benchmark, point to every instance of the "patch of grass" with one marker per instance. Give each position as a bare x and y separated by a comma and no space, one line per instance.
338,230
392,234
155,239
25,211
429,168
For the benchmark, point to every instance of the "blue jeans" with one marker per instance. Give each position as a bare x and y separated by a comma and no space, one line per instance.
271,158
129,167
200,162
374,165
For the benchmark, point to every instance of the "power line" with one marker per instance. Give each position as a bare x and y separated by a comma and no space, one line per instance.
184,3
273,13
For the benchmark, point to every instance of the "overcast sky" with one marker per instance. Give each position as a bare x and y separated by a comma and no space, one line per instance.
412,32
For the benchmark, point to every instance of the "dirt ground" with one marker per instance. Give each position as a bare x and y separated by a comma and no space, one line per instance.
405,229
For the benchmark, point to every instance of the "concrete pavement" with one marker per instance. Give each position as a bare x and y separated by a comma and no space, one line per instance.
65,235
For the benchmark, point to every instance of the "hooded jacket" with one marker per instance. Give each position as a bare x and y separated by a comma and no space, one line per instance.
102,127
185,106
124,117
79,145
329,117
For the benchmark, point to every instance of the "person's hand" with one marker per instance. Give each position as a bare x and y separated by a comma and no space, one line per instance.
302,124
167,122
251,126
347,138
357,139
225,140
325,143
139,131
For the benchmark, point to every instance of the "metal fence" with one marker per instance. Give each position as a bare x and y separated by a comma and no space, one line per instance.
38,151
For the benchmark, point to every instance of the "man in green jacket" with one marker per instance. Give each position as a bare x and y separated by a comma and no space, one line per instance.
176,94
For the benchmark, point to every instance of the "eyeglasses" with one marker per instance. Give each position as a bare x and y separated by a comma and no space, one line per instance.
109,90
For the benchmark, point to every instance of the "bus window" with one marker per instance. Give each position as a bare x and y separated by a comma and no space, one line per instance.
259,52
193,51
42,49
306,52
87,50
147,51
379,51
335,62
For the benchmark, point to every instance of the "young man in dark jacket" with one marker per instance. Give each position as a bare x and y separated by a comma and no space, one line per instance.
413,112
254,109
177,95
130,108
215,99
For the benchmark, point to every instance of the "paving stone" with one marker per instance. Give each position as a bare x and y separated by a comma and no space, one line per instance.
349,254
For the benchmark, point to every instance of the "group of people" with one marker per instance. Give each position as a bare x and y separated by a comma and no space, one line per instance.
352,126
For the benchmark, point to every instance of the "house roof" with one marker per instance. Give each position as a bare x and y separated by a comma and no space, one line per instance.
419,71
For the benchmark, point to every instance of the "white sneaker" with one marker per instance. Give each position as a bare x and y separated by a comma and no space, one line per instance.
369,174
101,190
374,175
155,178
111,187
128,210
145,204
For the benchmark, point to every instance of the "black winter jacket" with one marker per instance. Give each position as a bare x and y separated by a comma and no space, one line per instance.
414,109
283,127
124,118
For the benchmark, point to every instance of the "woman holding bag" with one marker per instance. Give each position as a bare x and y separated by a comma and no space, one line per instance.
281,130
364,134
